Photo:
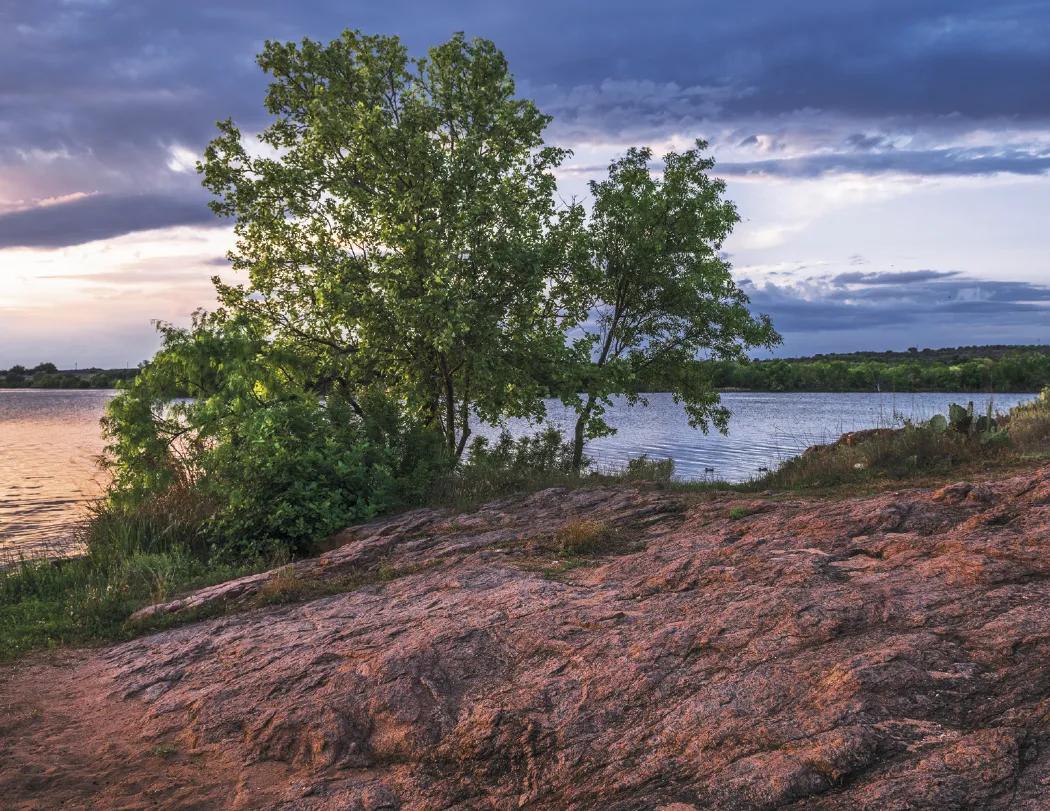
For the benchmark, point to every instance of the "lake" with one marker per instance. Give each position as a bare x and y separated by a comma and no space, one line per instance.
49,441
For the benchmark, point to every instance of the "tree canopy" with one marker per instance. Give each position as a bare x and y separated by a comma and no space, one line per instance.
661,291
399,226
407,270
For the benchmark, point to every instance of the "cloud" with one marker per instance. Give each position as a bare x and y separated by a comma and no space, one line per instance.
899,277
103,107
906,302
931,162
859,140
98,216
114,78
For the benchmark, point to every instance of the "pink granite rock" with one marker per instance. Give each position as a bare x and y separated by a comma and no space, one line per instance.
884,652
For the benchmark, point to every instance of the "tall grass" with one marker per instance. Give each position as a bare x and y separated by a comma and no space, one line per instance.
132,558
510,466
507,466
1028,425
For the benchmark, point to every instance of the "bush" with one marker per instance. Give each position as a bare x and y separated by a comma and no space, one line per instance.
273,465
296,472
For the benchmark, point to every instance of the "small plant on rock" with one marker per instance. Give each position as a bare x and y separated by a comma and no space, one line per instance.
584,537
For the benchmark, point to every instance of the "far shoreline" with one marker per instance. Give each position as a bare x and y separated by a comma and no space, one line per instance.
728,390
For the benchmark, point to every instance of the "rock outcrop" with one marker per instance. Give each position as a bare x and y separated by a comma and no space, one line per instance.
885,652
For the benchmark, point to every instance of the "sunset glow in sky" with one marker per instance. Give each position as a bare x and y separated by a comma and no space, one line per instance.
890,159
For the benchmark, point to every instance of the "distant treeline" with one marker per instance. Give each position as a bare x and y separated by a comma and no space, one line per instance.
951,354
1025,368
48,376
967,368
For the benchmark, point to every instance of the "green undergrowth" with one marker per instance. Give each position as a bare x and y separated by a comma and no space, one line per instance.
48,604
508,467
163,548
131,561
961,444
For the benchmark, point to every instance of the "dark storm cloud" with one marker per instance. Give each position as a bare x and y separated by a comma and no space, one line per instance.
916,162
184,65
859,140
113,86
891,277
98,217
918,299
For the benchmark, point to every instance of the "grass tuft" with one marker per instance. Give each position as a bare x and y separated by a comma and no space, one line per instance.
738,512
584,536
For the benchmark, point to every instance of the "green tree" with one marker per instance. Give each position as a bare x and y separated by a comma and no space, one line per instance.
660,290
398,228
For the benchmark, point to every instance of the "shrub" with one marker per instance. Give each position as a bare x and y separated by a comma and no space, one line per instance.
274,465
1028,425
295,472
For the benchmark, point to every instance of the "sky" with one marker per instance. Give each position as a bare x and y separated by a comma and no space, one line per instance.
890,159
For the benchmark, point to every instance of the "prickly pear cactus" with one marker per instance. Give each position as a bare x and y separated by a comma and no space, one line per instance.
960,418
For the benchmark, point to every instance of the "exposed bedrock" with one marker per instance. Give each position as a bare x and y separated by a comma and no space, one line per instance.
882,652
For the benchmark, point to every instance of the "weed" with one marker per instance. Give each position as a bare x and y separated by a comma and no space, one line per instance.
583,536
164,750
643,468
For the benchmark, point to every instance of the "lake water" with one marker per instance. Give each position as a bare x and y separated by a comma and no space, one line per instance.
49,441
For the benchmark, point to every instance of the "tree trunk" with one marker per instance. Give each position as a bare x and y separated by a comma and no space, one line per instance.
450,408
465,417
578,435
450,414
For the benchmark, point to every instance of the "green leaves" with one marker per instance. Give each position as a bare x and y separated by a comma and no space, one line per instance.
396,225
296,471
661,293
407,270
